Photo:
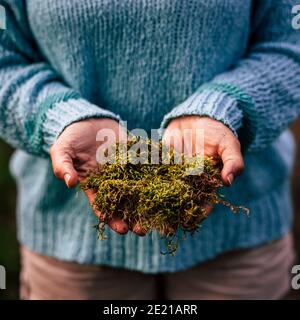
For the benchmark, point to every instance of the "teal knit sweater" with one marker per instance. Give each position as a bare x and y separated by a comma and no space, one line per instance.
147,62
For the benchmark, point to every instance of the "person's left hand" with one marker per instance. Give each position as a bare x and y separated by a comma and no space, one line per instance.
219,141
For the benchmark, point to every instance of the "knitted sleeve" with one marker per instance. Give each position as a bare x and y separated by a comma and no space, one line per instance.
260,96
35,104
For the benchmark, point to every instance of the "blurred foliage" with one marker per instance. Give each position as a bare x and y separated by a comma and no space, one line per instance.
9,252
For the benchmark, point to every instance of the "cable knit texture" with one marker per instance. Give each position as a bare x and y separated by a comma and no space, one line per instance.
148,62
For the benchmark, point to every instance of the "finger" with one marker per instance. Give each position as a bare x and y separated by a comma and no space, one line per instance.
233,163
116,224
63,168
136,228
208,208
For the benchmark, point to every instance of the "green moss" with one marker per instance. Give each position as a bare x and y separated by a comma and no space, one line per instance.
161,197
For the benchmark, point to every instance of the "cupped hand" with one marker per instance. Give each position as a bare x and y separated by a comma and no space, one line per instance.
219,141
73,157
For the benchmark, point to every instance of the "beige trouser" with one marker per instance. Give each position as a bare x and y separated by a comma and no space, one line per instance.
258,273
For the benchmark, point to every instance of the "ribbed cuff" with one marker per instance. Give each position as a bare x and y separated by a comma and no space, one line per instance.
64,113
55,113
212,102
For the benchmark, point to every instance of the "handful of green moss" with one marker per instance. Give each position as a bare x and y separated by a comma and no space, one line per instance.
166,197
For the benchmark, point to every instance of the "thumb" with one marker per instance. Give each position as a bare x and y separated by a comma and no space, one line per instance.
233,163
62,164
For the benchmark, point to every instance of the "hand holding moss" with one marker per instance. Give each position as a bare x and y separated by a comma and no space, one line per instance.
219,141
165,196
73,157
146,197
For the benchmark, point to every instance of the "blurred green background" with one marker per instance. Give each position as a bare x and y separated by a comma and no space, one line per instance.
9,251
9,254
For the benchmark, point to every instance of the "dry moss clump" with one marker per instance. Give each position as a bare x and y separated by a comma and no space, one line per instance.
161,197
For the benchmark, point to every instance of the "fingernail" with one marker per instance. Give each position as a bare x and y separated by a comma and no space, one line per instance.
230,178
67,178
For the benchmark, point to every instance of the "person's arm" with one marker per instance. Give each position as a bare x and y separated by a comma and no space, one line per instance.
35,104
260,96
42,115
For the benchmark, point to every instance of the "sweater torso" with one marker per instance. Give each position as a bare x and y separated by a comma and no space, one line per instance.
140,59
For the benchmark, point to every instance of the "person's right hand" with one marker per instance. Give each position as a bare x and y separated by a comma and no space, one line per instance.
73,157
